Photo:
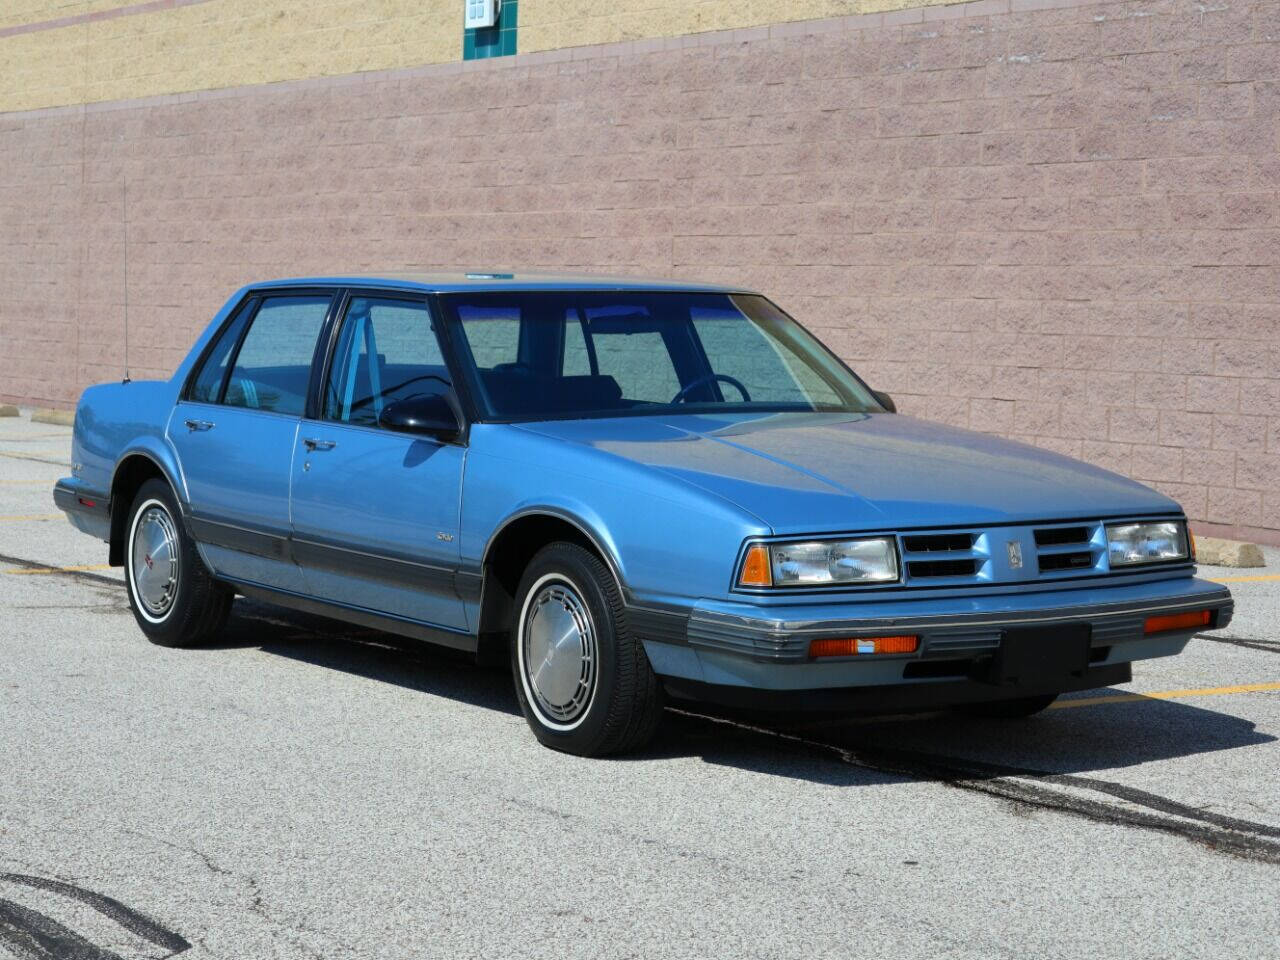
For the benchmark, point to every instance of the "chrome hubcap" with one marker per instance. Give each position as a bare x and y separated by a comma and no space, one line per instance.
559,653
155,560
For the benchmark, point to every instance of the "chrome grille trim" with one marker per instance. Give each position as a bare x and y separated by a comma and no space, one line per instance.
951,556
1070,549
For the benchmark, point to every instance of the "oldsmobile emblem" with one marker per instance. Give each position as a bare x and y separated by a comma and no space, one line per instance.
1015,554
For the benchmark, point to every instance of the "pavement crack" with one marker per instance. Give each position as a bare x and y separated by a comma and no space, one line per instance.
1267,646
1034,789
257,901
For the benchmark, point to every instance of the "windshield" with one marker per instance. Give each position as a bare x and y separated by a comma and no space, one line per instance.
581,354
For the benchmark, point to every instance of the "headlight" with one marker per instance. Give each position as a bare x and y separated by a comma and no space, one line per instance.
1131,543
820,563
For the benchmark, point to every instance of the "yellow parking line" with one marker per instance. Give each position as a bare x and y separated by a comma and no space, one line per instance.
1165,695
24,571
20,517
1265,576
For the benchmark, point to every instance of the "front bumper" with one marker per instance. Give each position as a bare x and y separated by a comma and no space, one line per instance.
738,644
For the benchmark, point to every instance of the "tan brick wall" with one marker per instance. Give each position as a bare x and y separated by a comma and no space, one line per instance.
14,12
1061,226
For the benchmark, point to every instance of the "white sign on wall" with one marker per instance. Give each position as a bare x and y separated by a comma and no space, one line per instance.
481,13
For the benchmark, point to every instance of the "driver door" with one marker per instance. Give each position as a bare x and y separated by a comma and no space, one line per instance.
375,512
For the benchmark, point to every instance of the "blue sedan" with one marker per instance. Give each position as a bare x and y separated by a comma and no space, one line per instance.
633,491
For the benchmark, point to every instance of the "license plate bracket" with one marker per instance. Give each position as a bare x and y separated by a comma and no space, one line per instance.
1041,657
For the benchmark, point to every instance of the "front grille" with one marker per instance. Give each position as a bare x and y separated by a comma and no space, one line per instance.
1070,549
936,542
1066,561
942,568
1004,554
949,555
1057,536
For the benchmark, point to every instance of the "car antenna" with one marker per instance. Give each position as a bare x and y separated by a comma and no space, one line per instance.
124,207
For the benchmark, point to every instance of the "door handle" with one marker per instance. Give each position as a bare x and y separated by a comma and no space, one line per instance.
194,425
313,444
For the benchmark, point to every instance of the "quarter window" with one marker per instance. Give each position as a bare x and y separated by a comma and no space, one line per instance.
387,351
273,367
207,386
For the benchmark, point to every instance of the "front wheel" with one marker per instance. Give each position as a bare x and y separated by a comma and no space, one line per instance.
1008,709
174,599
583,681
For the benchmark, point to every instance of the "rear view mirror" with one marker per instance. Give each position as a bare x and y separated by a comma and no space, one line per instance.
429,414
885,401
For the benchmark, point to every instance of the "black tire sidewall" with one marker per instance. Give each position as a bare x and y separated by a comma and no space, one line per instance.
571,565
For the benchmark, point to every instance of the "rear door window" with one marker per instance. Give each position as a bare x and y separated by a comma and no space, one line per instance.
273,368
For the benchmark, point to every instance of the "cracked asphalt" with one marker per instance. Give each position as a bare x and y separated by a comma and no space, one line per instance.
303,789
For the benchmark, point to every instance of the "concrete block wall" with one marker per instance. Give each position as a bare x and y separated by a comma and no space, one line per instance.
1060,223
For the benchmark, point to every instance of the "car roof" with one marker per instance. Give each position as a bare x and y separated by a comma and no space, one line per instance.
487,280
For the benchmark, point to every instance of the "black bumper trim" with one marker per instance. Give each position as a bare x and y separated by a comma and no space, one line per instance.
941,636
68,498
663,626
88,510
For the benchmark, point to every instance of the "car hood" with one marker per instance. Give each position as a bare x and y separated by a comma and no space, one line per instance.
815,472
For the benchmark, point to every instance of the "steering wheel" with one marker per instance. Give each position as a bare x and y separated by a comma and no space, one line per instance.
365,401
683,394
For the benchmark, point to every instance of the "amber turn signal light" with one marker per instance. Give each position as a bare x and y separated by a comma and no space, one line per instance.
1177,621
853,646
755,567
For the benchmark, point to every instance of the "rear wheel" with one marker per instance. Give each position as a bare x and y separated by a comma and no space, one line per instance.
1008,709
174,599
584,683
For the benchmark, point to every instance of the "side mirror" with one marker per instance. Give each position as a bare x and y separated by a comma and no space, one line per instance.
429,414
885,401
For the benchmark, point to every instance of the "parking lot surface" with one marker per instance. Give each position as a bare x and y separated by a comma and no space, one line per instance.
307,789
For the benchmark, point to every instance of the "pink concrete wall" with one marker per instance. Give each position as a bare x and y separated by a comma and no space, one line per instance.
1061,225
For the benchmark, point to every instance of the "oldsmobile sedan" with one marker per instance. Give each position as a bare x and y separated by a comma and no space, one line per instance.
630,490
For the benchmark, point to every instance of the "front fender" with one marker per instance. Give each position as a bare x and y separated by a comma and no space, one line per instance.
573,512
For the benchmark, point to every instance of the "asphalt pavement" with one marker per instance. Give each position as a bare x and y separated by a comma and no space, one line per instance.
305,789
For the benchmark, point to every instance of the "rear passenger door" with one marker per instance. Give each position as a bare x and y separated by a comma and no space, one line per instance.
375,512
234,433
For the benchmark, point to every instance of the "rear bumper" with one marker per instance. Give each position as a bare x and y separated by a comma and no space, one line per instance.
736,645
88,510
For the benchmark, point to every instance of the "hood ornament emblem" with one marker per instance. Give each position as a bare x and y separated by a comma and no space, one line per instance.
1015,554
